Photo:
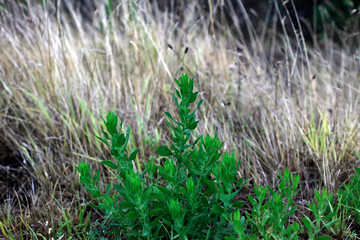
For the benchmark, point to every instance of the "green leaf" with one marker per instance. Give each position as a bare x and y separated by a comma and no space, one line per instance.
198,105
110,164
111,123
106,135
211,187
329,223
133,154
127,136
192,125
230,238
323,237
217,209
108,188
170,125
308,224
176,101
155,211
96,177
132,215
177,82
115,152
127,204
193,97
119,140
178,93
169,116
239,204
94,206
164,151
108,200
164,191
96,194
84,180
104,141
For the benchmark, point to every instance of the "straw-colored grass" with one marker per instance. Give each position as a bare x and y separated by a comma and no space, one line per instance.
278,102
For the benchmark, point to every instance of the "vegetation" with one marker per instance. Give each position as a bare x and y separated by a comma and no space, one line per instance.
192,194
286,108
343,13
186,197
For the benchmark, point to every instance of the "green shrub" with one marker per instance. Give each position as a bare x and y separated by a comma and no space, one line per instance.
270,218
190,196
270,212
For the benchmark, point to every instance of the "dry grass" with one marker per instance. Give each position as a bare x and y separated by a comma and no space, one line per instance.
278,102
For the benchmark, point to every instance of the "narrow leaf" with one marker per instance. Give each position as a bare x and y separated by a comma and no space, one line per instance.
323,237
193,125
109,163
193,97
178,93
169,116
96,194
104,141
164,151
132,215
133,154
106,135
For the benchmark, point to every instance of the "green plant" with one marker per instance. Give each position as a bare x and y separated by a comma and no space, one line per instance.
270,212
269,218
72,224
343,13
324,213
240,225
190,196
349,197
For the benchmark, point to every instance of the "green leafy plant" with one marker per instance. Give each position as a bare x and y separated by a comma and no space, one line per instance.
269,217
349,197
324,213
190,196
241,225
271,209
